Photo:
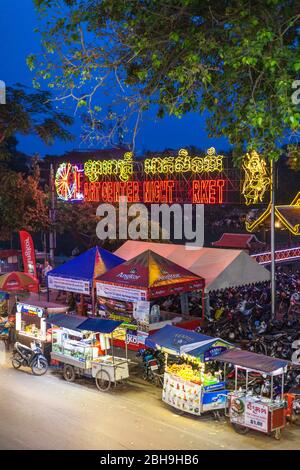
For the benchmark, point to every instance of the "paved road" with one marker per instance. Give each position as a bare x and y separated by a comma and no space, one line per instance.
48,413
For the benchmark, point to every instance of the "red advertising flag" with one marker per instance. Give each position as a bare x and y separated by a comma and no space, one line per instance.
28,253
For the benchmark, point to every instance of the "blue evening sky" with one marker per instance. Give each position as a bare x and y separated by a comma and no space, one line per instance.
18,39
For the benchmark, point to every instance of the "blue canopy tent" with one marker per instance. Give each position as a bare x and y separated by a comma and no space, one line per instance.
76,322
178,341
78,274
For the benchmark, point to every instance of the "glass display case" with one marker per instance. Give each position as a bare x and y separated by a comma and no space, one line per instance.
73,347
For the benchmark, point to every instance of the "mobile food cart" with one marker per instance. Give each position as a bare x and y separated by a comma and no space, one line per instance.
190,382
253,411
31,322
81,345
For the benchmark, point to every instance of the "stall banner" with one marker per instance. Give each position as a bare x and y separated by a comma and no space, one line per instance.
30,310
141,313
70,285
246,412
131,337
128,294
214,400
28,253
183,395
256,416
214,352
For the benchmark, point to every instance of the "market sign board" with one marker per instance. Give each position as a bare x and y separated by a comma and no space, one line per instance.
78,286
168,179
127,294
30,310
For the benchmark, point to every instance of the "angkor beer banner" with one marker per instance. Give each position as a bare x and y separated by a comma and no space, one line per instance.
28,253
126,294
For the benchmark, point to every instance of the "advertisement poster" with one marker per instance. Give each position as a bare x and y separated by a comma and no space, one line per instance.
127,294
247,412
182,395
28,253
71,285
214,400
141,313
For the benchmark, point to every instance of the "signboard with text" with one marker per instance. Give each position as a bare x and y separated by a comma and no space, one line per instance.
77,286
181,178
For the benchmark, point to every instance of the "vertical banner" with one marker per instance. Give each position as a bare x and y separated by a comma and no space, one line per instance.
28,253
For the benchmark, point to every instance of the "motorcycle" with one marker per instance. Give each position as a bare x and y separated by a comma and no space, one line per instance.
153,365
29,357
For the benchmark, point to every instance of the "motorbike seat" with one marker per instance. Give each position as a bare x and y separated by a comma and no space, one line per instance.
23,348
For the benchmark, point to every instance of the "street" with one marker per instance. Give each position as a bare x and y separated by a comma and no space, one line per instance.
49,413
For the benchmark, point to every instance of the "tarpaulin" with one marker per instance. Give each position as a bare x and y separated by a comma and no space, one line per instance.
250,360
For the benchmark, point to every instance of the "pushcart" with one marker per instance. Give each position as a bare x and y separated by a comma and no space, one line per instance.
247,410
80,357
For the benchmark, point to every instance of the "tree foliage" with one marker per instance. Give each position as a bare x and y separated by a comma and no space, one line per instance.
23,204
237,60
30,113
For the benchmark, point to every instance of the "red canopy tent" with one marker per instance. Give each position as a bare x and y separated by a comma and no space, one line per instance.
146,277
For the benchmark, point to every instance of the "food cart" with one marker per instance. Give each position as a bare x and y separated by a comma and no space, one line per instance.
31,322
248,410
81,346
191,383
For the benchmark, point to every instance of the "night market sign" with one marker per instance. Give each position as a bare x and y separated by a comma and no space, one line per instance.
171,179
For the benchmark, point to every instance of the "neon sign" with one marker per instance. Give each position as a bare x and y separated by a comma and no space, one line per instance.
141,181
94,169
183,163
256,179
68,182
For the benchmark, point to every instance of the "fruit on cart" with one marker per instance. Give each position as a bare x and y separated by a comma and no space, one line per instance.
185,372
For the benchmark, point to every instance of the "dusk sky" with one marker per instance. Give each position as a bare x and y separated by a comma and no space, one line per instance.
17,23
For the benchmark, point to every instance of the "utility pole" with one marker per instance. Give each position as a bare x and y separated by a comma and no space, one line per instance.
273,280
52,215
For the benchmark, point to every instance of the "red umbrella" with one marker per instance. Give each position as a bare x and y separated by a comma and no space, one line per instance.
18,281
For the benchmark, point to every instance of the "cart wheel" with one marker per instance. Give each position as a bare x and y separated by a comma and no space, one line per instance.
103,381
277,434
240,429
69,373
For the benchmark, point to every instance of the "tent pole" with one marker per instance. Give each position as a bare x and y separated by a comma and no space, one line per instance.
203,304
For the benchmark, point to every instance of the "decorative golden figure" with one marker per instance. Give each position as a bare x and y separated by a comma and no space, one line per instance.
256,178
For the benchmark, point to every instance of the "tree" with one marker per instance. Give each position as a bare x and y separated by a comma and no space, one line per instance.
236,60
23,205
29,113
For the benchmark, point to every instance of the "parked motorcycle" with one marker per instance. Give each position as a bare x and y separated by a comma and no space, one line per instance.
29,357
153,365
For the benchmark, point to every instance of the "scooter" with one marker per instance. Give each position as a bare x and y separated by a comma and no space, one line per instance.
29,357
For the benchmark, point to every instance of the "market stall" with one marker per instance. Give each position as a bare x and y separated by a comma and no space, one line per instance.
263,412
31,322
191,382
78,275
130,292
81,346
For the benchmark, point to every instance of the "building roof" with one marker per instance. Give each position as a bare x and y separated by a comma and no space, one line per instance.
242,241
290,217
221,268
